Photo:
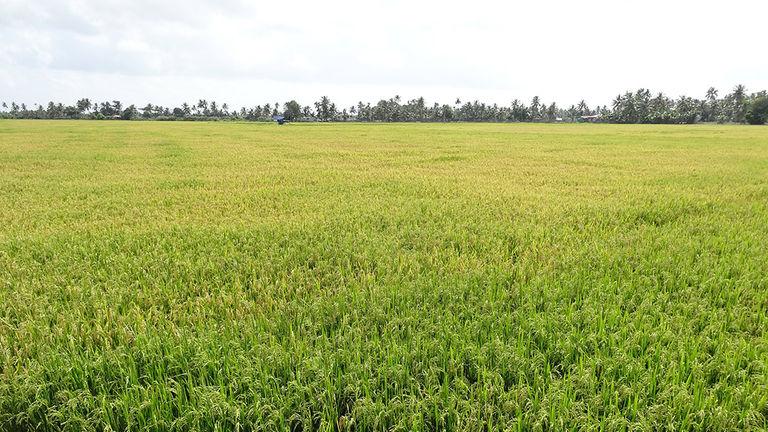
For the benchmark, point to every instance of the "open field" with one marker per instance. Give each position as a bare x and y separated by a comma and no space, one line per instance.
224,276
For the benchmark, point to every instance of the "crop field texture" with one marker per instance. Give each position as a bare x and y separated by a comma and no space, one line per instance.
226,276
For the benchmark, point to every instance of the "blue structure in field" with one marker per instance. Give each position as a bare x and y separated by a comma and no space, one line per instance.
279,119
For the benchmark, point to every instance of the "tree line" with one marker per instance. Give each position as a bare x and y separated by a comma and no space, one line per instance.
641,106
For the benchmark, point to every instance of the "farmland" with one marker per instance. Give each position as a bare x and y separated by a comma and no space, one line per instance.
245,276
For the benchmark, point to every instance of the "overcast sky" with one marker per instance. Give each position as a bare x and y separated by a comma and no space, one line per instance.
248,53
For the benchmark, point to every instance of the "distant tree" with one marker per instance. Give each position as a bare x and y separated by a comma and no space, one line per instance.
362,113
54,111
738,104
624,110
71,112
202,107
416,110
129,113
535,108
551,112
148,111
445,113
660,109
519,112
629,107
325,109
687,110
710,107
83,105
292,110
582,109
642,100
757,111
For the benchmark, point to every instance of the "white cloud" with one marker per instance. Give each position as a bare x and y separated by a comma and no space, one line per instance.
252,52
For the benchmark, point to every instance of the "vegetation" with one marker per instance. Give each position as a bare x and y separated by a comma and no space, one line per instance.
757,113
241,276
631,107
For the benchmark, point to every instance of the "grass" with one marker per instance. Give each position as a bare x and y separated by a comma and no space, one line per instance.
219,276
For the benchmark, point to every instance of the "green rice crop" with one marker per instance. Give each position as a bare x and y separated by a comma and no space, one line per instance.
411,277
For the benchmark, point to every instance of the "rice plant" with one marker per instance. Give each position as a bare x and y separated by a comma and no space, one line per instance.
370,277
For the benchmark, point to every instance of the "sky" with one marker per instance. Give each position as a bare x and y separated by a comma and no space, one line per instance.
246,53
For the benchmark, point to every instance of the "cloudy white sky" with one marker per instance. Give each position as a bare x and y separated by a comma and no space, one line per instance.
248,53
